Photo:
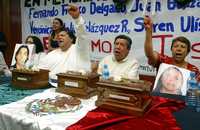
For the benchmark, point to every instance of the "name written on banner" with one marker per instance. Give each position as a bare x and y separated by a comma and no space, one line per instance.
103,21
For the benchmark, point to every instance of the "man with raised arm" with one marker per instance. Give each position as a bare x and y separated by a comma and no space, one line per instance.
73,52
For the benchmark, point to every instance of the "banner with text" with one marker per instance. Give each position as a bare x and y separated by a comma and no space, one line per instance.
104,22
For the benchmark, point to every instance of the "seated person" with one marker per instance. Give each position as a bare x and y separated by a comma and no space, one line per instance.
72,54
4,70
120,63
180,48
39,49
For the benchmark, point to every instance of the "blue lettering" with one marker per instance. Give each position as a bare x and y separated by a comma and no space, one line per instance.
104,9
171,4
190,24
42,13
163,27
39,30
64,9
139,21
82,9
112,28
124,24
30,12
139,6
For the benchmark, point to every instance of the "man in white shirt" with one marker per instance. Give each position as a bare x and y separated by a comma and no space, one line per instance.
120,63
72,54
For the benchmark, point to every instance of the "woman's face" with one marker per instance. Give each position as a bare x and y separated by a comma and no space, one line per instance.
22,56
179,51
172,80
56,25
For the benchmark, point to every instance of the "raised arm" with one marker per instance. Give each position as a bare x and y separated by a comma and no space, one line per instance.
79,21
148,46
82,38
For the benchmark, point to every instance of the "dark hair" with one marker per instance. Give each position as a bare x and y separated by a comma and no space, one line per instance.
17,52
70,34
183,40
62,26
3,43
37,42
127,38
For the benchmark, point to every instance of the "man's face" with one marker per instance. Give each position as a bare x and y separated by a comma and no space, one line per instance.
179,51
64,40
120,49
22,56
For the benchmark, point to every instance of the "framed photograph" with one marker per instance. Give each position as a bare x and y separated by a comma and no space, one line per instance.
22,55
171,79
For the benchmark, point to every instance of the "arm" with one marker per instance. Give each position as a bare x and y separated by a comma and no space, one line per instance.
94,66
148,46
2,62
3,66
100,66
79,21
82,39
49,47
133,73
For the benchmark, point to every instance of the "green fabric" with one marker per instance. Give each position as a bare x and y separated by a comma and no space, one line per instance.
10,94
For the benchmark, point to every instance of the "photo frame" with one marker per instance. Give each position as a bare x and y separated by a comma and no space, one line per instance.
171,79
23,53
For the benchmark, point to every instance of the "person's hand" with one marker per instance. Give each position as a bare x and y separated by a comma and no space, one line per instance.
148,23
74,11
94,66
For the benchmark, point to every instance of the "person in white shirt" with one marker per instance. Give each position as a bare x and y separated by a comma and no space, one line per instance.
4,70
72,54
120,63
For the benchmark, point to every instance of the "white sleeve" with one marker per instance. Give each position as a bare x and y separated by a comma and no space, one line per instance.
80,26
82,44
81,35
43,64
133,73
3,64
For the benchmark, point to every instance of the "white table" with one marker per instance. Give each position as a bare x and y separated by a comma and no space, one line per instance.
14,117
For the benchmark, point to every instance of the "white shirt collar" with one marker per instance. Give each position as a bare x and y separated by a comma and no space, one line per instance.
124,60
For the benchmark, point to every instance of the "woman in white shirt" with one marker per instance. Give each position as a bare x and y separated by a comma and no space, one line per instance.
39,49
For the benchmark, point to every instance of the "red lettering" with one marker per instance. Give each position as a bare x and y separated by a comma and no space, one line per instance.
104,46
162,37
94,45
195,49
